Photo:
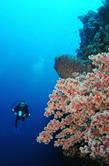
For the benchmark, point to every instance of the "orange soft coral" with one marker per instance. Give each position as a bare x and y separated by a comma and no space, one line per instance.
79,106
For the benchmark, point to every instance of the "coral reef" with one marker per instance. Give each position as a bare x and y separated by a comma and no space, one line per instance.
80,110
94,37
95,32
79,104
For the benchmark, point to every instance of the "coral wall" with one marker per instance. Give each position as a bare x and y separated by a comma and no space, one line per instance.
80,112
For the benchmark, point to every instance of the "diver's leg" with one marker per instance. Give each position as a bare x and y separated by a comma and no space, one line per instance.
16,122
23,118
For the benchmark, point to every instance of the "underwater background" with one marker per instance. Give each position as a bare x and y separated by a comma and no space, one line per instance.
32,34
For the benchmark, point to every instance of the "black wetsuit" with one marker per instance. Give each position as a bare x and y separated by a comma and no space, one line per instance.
25,113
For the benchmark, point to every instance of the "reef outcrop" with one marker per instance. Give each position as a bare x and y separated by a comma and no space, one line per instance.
79,111
94,38
95,32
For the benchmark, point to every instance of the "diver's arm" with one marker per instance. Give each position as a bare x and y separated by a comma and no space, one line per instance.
27,112
14,111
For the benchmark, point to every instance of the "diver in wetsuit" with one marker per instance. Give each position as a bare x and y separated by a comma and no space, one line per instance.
21,111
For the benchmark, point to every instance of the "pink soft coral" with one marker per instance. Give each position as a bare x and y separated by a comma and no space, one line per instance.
79,106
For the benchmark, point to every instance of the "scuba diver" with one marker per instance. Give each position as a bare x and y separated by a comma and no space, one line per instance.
21,112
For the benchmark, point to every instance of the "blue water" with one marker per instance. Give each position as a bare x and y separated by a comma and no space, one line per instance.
32,33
